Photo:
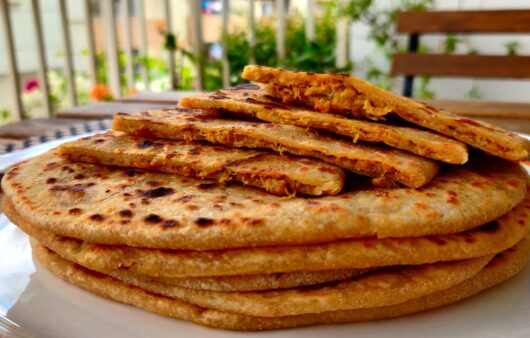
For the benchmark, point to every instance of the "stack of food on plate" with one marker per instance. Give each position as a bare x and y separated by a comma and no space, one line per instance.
301,199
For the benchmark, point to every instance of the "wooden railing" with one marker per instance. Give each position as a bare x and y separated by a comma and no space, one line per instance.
111,49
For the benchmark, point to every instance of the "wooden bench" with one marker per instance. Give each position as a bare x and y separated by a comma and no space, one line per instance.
412,64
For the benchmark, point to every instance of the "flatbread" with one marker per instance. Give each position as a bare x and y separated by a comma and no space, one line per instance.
248,282
253,101
360,254
195,125
501,268
279,175
351,96
387,287
147,209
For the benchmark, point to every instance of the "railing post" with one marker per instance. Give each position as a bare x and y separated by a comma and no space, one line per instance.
198,49
408,81
129,66
11,59
280,33
251,31
92,65
341,50
143,41
171,61
68,60
113,67
224,34
41,57
310,20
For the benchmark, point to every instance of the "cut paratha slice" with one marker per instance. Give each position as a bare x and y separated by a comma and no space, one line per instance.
253,101
196,125
501,268
351,96
365,253
150,209
279,175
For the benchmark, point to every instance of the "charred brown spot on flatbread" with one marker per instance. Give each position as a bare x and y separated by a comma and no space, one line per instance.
157,192
126,213
75,211
169,223
153,218
204,222
97,217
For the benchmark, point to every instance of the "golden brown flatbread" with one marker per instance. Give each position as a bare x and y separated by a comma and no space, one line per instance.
279,175
501,268
251,100
195,125
361,253
383,288
248,282
109,205
351,96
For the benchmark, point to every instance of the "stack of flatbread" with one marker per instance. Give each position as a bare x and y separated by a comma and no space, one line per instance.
301,199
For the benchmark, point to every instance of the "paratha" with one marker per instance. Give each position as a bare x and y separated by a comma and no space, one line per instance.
351,96
253,101
279,175
109,205
383,288
501,268
196,125
361,253
248,282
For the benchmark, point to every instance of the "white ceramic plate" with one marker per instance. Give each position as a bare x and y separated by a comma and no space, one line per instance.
37,300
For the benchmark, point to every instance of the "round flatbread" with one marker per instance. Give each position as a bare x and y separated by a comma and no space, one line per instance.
501,268
488,239
387,287
282,280
145,209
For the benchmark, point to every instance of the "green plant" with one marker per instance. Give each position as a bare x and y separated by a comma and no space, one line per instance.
474,93
451,42
511,47
301,54
5,114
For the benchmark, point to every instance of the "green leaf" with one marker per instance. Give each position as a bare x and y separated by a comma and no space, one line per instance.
511,47
170,42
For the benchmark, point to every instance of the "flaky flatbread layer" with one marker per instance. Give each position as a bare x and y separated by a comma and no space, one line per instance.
369,160
280,175
253,101
351,96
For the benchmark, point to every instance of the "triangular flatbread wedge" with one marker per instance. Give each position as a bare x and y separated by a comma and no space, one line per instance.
351,96
254,101
196,125
279,175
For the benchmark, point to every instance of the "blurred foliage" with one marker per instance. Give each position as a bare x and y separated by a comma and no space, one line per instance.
381,23
512,47
5,114
301,54
451,42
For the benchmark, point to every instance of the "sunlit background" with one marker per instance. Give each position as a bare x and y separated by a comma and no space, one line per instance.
156,47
